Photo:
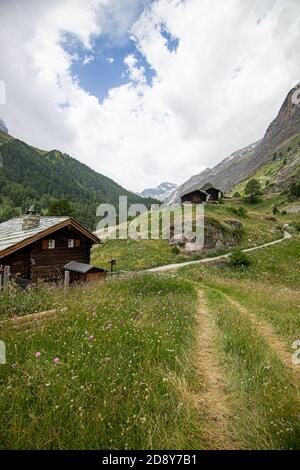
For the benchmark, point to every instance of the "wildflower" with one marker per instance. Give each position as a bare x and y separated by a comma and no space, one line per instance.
122,322
38,354
56,360
91,338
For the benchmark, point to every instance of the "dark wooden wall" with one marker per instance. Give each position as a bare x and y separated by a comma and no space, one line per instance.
33,262
214,194
195,197
19,262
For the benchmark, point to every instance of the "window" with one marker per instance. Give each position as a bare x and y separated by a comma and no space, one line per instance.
48,244
77,243
71,243
51,244
44,244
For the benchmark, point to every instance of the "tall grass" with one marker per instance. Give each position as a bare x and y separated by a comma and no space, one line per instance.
117,345
265,400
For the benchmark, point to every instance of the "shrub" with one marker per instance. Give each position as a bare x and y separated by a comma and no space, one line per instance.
237,194
240,211
295,189
252,190
238,258
175,250
297,226
283,212
275,210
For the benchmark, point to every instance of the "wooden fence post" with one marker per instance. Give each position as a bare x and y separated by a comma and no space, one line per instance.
67,280
6,275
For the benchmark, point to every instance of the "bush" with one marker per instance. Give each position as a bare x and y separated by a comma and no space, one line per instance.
240,211
297,226
237,194
238,258
275,210
175,250
283,212
295,189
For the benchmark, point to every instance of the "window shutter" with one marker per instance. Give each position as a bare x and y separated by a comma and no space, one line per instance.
44,244
77,243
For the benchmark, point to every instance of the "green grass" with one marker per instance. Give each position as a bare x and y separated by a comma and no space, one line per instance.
262,391
264,398
269,172
132,255
134,385
112,392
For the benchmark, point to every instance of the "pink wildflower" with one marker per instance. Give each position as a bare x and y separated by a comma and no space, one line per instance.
56,360
38,354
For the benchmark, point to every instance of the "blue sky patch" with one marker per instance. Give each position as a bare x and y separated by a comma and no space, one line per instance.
103,68
172,41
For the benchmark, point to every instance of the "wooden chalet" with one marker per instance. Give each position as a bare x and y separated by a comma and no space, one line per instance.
36,247
196,196
214,194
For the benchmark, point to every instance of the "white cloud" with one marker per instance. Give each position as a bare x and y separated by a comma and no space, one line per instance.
136,73
110,60
233,67
87,59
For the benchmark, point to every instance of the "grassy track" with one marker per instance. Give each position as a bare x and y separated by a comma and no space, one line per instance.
266,399
256,314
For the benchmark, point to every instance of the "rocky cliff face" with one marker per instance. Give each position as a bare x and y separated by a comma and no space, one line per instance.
245,162
3,126
284,126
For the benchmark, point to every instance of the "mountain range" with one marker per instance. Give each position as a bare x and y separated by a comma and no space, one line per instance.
161,192
30,176
278,153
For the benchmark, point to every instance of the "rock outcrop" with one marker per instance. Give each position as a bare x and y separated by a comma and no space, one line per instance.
3,126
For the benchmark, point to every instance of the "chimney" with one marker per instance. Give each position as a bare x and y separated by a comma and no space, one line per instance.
31,219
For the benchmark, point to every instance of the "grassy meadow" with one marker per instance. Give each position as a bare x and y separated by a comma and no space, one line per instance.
121,347
198,358
135,255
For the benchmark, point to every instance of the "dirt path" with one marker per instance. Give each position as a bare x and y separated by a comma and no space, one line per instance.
266,330
213,399
169,267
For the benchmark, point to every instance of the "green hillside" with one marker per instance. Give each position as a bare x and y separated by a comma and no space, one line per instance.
281,172
32,176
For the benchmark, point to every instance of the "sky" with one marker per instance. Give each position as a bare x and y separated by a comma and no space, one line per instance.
146,91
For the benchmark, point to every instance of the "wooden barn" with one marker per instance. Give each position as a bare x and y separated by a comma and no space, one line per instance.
36,247
81,272
196,196
214,194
